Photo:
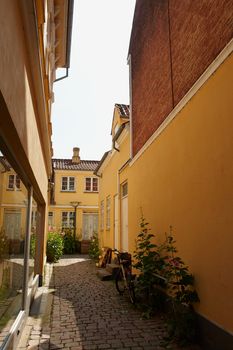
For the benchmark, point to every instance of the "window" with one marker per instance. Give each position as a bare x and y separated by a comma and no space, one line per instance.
68,219
50,218
13,182
68,183
102,215
125,189
91,184
108,203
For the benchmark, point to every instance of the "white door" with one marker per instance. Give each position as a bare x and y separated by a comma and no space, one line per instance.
116,222
90,225
124,217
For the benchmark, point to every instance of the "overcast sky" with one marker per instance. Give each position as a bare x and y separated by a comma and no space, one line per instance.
98,78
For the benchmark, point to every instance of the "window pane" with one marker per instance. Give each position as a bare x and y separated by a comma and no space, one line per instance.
13,213
17,182
64,219
64,183
124,189
11,181
95,184
71,184
88,184
33,239
71,219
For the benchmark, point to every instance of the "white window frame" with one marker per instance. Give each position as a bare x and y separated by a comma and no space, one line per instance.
108,211
70,219
123,192
16,179
50,217
102,215
68,184
92,181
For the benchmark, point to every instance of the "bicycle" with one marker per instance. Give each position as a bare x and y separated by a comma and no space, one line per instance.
124,279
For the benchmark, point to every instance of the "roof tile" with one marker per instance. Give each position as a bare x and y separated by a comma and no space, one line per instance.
67,164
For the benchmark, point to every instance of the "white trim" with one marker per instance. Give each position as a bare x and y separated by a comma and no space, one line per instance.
216,324
124,134
194,89
130,105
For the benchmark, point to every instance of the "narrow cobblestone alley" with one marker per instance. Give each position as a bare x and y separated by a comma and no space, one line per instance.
86,313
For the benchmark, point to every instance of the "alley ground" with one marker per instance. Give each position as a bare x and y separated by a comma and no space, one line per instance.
77,311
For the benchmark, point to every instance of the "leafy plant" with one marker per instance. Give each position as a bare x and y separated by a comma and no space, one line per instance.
180,288
69,242
54,246
94,250
33,245
164,278
149,261
4,245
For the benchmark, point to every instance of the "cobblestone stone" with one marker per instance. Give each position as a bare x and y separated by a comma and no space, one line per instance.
87,314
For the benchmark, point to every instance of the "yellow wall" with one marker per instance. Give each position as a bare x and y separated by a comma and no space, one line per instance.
16,89
63,199
185,179
110,186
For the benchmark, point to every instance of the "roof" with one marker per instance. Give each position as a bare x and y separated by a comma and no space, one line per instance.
5,163
101,162
66,164
123,110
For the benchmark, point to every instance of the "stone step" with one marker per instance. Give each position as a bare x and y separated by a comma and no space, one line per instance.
104,275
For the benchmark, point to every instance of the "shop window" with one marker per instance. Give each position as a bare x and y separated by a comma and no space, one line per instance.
68,219
13,219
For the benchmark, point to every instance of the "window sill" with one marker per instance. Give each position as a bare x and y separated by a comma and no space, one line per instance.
67,191
91,191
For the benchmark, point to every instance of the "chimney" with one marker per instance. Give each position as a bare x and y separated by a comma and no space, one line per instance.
76,158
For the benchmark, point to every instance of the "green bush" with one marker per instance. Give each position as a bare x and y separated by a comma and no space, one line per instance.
33,245
69,242
94,250
54,246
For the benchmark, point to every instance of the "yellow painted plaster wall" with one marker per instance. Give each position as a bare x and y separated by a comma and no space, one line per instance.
63,199
109,187
185,179
16,88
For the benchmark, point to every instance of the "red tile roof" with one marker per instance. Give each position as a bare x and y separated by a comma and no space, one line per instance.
66,164
123,109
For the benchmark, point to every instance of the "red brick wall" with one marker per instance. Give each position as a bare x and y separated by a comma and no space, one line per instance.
200,29
151,84
165,66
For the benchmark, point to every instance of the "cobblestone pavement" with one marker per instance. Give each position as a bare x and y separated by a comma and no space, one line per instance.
84,313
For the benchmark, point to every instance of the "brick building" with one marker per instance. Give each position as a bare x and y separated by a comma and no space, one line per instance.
180,174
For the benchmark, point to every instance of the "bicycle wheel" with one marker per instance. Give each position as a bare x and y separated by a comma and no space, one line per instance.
120,283
131,290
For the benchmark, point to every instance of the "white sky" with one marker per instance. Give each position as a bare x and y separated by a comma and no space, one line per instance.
98,78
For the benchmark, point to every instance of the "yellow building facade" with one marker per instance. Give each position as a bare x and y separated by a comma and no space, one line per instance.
113,195
185,181
74,201
35,40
